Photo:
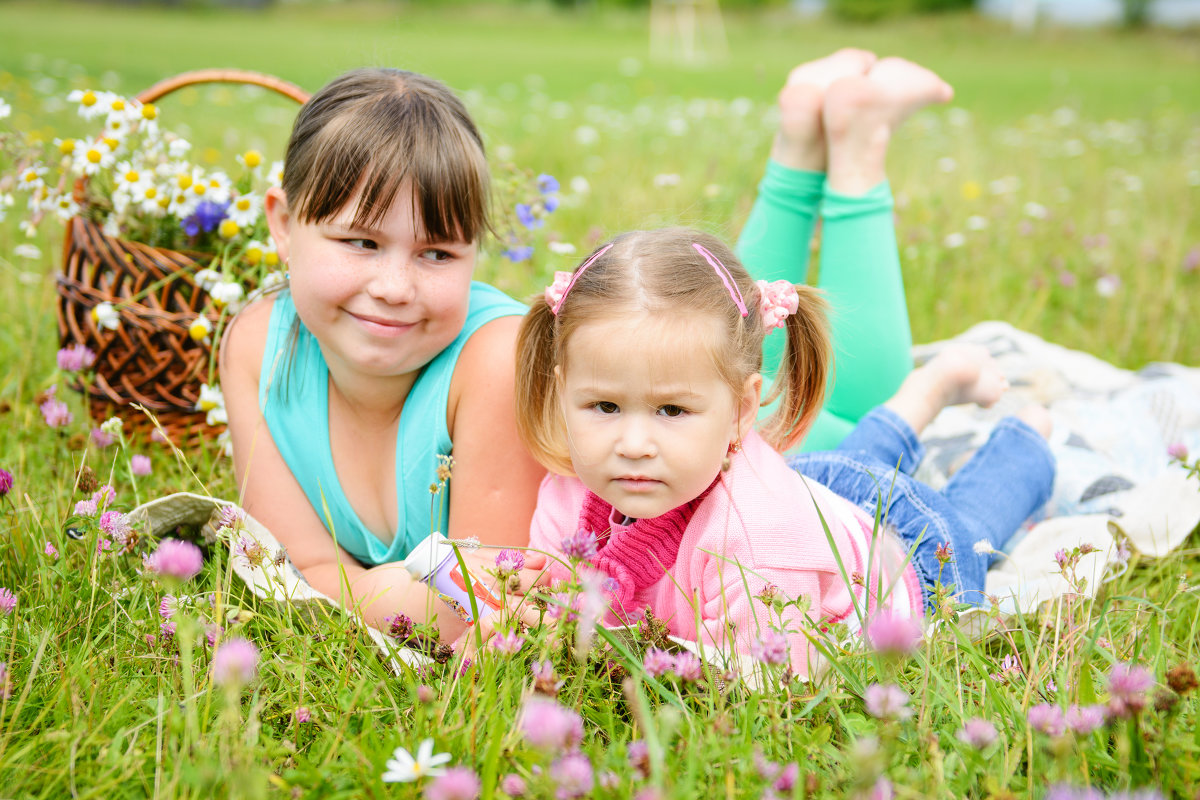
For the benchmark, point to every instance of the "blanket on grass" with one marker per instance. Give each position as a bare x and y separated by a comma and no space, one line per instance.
1117,488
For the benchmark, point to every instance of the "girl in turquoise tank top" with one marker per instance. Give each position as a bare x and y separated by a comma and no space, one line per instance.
347,390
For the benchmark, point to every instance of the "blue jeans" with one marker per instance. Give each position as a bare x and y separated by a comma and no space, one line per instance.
1000,487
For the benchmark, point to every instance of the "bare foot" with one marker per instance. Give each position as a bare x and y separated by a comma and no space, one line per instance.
861,113
800,143
966,373
1038,418
960,373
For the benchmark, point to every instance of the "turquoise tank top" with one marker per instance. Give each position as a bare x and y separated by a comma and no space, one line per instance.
294,399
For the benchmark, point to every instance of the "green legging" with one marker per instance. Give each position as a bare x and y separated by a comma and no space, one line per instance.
860,275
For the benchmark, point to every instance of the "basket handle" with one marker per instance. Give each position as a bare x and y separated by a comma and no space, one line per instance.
169,85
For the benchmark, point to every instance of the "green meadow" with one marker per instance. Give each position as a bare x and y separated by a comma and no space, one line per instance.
1060,191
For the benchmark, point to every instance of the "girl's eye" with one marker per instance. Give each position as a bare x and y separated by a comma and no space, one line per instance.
605,407
438,256
672,411
362,244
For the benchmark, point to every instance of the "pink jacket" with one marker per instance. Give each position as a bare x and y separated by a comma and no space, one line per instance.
757,526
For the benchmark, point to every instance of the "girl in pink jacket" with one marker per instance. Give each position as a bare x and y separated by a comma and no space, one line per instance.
638,387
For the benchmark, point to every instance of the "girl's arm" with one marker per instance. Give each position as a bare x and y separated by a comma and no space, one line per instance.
494,488
272,495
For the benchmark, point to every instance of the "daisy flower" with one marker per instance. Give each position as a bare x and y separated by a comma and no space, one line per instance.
89,103
93,157
251,159
245,209
226,293
212,401
200,329
403,767
31,178
64,206
105,316
275,174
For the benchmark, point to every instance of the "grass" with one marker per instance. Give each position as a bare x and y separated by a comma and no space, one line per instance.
1068,162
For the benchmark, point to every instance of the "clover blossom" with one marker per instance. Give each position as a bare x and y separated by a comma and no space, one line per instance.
513,785
177,559
75,358
509,561
55,413
235,662
6,482
1128,685
1048,719
688,666
572,775
978,733
549,726
892,634
508,644
458,783
658,662
887,702
770,648
1083,720
8,601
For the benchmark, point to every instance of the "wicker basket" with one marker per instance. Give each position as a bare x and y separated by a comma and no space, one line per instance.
149,359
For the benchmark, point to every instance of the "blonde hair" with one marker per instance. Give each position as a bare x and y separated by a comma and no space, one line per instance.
372,130
661,271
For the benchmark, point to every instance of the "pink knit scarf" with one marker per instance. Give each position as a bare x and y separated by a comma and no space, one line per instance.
638,556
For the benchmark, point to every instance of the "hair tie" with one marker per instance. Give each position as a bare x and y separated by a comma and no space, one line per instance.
556,292
777,301
725,276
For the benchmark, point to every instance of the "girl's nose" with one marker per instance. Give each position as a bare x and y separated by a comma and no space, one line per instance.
636,440
393,282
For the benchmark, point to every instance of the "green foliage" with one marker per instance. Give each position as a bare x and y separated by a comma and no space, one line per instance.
1065,160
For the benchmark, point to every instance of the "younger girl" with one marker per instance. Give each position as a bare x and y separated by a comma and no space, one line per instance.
639,377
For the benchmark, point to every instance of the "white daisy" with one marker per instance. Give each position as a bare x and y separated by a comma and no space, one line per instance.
105,316
200,329
262,253
275,174
220,187
207,279
6,202
93,157
89,101
272,279
64,206
178,148
212,400
245,209
31,178
402,767
226,293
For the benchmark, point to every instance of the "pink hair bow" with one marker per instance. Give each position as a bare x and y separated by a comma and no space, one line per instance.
558,289
777,301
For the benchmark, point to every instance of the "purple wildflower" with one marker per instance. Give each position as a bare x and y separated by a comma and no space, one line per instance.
688,666
580,545
139,465
1177,451
887,702
638,753
457,783
518,253
527,217
168,606
400,627
573,775
425,694
513,785
204,219
85,508
8,601
102,438
550,203
542,670
6,482
564,606
177,558
1127,685
167,630
509,561
302,715
75,358
56,413
235,662
893,634
658,662
770,648
1047,719
977,732
547,184
508,644
1084,719
51,551
1062,791
550,726
230,517
116,525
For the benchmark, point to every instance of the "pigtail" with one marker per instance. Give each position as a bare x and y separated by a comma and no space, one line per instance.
539,417
803,373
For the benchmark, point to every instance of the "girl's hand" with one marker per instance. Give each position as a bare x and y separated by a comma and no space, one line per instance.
478,636
482,564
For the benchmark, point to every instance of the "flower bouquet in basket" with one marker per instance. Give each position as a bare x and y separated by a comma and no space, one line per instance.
158,253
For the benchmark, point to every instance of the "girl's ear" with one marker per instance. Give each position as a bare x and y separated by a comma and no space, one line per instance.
278,220
748,404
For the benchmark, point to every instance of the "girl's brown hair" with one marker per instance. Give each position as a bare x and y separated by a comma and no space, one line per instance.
661,272
371,131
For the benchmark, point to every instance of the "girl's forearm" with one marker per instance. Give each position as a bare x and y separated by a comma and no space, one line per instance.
382,592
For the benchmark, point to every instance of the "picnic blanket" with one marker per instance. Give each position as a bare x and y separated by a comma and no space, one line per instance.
1117,489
